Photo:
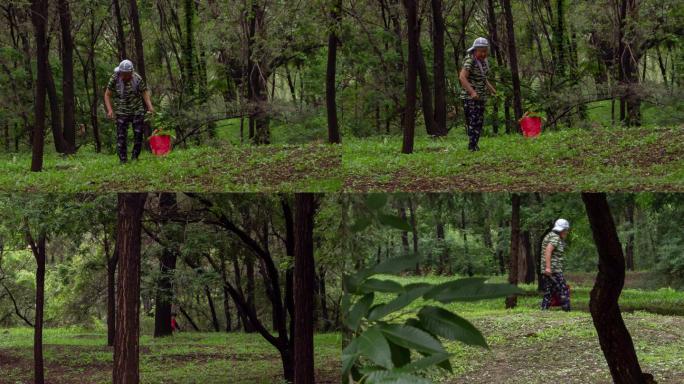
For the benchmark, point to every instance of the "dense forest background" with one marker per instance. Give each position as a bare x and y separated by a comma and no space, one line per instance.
273,71
470,234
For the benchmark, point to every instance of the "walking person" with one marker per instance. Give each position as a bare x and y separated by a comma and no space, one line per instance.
553,249
131,102
474,87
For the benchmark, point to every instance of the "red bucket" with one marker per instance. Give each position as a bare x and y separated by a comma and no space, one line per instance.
160,144
531,126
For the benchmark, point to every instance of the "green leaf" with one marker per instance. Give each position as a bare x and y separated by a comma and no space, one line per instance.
425,363
446,324
358,311
400,355
446,364
360,224
470,289
376,200
395,222
412,338
373,345
377,285
394,377
398,303
349,356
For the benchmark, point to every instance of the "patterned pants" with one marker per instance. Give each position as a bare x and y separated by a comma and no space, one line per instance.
474,116
552,285
122,122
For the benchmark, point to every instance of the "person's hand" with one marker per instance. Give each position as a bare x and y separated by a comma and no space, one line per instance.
474,95
150,109
110,115
547,272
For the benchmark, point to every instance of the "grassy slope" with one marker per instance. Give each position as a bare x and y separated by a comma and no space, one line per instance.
311,167
79,356
605,159
528,346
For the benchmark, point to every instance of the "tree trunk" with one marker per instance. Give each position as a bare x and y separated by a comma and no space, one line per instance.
614,337
137,34
629,248
333,126
167,266
38,19
425,94
411,75
38,250
513,60
120,37
438,68
68,98
304,279
55,115
111,297
512,301
93,78
414,233
126,343
214,317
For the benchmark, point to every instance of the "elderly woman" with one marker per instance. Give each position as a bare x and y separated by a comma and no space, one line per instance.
553,248
474,87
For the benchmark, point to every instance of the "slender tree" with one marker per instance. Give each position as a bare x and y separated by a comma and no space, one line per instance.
120,37
137,34
39,20
614,337
513,59
38,250
330,84
68,98
512,301
167,266
304,287
126,343
411,75
438,30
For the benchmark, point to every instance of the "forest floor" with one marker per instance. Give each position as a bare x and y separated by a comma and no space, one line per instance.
78,356
529,346
226,168
605,159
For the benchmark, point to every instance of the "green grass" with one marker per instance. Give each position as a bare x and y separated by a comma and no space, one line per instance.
226,168
606,159
531,346
80,356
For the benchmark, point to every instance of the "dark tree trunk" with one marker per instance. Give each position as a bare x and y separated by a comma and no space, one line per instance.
126,343
249,269
93,78
444,253
414,233
111,294
226,298
167,266
438,68
613,335
258,73
630,107
323,298
120,37
39,19
137,34
331,104
513,60
496,52
38,250
188,318
411,75
55,114
68,98
214,317
425,94
304,280
629,247
512,301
